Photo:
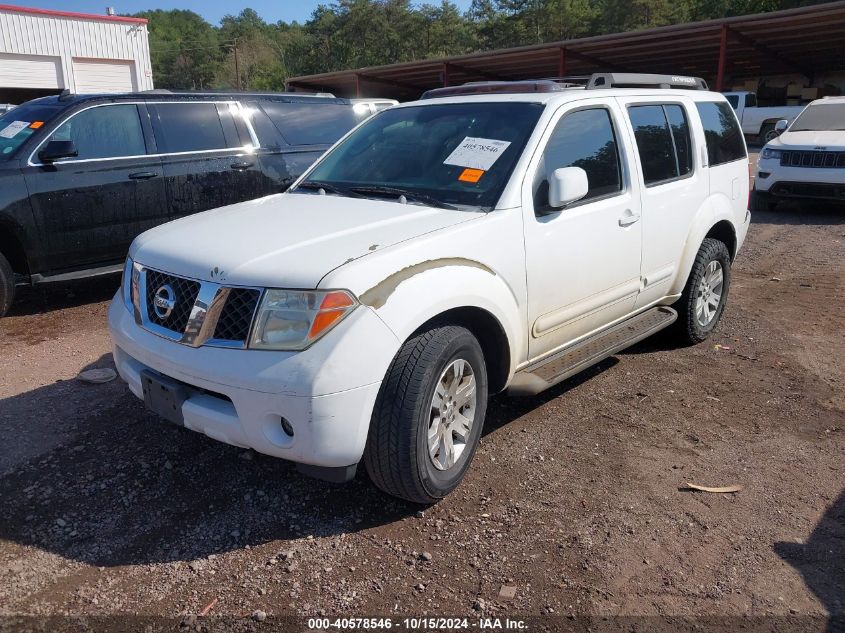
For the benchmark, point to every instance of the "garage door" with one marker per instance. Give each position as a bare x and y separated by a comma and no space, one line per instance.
94,75
29,71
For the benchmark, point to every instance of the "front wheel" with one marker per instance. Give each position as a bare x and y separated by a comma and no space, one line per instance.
703,300
428,415
762,201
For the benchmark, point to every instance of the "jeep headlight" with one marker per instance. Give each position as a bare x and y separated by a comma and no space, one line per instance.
294,319
768,153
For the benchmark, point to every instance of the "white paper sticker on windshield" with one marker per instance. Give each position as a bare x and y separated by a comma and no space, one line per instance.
13,128
476,153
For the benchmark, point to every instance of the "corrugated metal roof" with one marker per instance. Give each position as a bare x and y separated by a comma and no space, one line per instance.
806,40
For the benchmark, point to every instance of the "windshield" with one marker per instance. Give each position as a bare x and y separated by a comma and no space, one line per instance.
442,155
733,100
828,116
20,123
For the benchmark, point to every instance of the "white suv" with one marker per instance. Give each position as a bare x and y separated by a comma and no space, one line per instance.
442,251
807,161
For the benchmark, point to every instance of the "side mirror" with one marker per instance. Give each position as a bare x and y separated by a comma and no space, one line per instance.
56,150
567,185
780,126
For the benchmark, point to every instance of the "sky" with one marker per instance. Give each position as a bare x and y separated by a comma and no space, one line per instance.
211,10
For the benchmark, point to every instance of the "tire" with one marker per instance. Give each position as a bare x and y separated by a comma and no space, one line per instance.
7,285
397,455
762,201
697,316
767,133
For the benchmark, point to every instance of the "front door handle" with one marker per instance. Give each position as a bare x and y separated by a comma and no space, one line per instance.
143,175
628,218
240,166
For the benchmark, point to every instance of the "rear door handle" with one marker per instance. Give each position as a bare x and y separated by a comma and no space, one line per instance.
628,218
143,175
241,165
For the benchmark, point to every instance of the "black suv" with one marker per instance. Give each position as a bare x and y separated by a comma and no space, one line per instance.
82,175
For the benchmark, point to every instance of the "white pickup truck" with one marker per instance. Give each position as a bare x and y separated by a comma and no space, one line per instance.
756,121
444,250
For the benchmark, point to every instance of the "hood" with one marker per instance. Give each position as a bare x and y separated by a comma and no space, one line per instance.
829,139
287,240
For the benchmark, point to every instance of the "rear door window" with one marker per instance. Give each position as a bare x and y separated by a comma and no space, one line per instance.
193,127
725,142
111,131
663,141
312,123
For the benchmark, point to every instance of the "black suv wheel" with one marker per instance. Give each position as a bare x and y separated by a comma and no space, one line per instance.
7,285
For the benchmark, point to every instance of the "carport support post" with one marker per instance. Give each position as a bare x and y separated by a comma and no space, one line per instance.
561,63
723,54
445,75
357,85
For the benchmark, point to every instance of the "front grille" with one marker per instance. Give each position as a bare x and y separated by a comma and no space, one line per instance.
236,317
185,293
813,158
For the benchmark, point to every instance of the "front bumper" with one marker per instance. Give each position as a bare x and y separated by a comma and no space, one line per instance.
326,393
799,182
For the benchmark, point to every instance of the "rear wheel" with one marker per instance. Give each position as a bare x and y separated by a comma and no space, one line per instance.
7,285
703,300
428,416
768,133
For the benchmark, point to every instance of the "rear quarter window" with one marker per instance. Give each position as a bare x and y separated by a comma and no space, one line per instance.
725,142
312,123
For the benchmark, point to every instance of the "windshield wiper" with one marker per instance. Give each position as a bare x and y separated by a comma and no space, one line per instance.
426,199
328,188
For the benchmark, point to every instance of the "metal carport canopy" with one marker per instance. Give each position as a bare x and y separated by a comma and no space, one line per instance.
806,40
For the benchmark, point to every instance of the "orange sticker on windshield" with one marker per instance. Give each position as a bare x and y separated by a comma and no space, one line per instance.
36,124
471,175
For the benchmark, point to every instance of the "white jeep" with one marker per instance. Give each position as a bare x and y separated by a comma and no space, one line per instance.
442,251
807,161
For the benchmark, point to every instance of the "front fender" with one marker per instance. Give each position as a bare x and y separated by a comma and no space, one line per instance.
416,294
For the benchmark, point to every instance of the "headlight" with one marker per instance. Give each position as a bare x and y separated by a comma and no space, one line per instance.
294,319
768,153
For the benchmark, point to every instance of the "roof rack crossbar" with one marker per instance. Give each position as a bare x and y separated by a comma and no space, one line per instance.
600,81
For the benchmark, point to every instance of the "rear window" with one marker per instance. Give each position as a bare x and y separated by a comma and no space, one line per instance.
192,127
721,129
18,124
312,123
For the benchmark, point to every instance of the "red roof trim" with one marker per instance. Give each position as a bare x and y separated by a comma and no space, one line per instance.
70,14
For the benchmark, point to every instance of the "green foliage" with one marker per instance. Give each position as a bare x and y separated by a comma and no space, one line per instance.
246,52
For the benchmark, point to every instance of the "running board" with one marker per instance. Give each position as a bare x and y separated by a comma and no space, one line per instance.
594,349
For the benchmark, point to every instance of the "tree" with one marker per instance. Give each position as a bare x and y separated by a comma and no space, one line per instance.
184,49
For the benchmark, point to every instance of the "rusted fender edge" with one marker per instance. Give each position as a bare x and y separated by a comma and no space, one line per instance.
378,295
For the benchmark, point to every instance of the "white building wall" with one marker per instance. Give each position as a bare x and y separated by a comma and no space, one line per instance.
84,38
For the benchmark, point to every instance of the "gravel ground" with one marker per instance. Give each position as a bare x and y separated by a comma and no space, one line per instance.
575,499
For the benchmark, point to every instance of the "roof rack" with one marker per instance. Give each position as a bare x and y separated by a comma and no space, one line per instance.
596,81
600,81
497,87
